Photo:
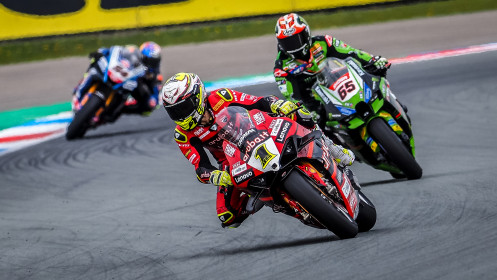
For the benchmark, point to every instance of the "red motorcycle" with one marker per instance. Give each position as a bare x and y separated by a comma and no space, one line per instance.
289,168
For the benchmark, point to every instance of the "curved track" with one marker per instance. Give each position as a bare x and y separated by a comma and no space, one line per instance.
123,203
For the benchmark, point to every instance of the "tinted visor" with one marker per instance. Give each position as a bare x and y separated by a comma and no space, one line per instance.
151,62
294,43
182,110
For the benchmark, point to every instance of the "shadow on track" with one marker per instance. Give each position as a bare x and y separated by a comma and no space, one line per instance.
119,133
439,175
261,248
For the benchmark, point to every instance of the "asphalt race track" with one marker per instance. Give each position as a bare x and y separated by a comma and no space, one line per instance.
123,203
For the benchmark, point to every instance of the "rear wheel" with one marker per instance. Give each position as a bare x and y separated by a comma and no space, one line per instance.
81,121
303,191
395,149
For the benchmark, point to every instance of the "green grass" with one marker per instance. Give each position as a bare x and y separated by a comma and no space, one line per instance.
75,45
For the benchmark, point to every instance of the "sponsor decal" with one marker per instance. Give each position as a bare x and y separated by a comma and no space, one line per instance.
218,105
225,94
339,81
198,131
250,144
316,48
369,93
289,31
284,131
244,176
329,40
229,150
224,217
346,188
353,201
275,125
205,175
280,73
264,155
239,169
356,67
322,94
345,111
245,135
179,136
259,118
204,135
192,158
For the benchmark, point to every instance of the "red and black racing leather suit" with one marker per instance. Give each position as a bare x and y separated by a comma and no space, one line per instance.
230,202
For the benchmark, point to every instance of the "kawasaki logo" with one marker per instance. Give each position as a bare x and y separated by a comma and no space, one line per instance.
322,94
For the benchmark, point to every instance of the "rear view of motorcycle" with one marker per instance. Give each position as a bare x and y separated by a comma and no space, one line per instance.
113,78
361,112
290,169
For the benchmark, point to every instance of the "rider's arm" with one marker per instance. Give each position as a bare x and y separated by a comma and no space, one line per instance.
283,80
193,150
265,103
340,49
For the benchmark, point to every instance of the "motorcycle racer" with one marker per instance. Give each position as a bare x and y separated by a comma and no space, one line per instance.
300,56
193,110
145,95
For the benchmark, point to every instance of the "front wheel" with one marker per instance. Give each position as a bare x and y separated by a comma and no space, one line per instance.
319,206
394,148
81,121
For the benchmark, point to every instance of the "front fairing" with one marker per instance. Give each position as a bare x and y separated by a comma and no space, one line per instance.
341,85
121,69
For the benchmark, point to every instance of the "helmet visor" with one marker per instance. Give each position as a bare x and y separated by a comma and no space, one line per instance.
182,110
152,62
294,43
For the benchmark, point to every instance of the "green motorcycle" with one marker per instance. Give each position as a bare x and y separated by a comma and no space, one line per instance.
360,111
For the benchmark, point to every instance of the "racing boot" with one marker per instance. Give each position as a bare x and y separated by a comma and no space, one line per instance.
344,157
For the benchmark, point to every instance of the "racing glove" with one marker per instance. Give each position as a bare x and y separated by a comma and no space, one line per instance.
283,107
380,63
220,178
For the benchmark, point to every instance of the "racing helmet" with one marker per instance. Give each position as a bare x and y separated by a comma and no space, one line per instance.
183,98
294,36
151,55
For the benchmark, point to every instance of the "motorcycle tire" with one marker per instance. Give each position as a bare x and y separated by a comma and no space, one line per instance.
81,121
394,148
307,194
367,213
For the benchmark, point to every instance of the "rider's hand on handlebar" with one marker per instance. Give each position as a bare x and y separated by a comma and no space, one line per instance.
220,178
380,63
283,107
